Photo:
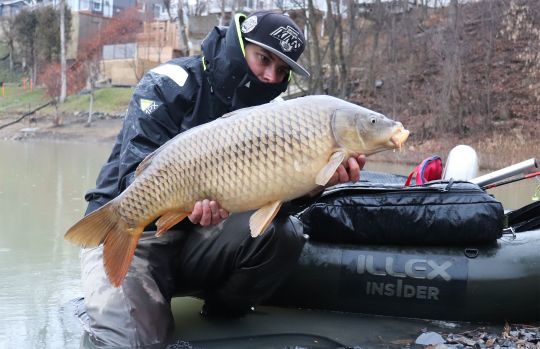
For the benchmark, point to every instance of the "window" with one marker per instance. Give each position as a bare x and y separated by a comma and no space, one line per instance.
158,10
97,6
84,5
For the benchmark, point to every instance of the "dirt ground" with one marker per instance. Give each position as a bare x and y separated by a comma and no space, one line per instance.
74,128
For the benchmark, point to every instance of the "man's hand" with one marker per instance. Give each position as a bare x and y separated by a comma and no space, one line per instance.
207,212
350,172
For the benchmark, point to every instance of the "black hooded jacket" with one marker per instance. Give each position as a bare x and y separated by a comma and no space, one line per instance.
176,96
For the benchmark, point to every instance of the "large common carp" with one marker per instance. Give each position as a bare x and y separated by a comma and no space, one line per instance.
253,158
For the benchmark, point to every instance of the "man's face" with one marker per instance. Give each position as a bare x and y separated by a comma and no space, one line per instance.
265,65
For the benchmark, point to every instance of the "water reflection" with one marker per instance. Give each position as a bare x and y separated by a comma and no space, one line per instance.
41,195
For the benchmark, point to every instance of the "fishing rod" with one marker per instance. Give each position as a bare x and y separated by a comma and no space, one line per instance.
511,180
505,173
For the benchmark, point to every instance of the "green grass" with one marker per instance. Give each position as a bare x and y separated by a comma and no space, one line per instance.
107,100
17,100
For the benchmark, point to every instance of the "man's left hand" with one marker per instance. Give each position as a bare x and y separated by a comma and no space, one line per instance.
350,172
207,212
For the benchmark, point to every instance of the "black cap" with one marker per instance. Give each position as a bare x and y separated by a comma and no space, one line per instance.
278,34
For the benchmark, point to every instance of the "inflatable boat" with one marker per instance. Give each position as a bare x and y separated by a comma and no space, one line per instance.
459,271
495,282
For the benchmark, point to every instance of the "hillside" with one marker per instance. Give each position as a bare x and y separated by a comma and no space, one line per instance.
467,74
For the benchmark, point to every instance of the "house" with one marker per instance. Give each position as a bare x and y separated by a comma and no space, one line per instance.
105,8
10,8
88,16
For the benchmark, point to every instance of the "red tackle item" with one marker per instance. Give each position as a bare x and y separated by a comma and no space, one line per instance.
429,169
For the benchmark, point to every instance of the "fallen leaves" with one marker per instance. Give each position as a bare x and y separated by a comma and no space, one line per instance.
512,336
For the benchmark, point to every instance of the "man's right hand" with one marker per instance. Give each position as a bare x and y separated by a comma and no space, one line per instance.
207,212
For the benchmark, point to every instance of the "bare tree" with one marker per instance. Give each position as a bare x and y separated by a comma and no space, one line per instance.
25,25
451,97
8,38
222,7
178,17
182,27
92,68
377,18
349,39
197,8
330,85
63,77
315,49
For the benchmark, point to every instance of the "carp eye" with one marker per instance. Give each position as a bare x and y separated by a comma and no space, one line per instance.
373,121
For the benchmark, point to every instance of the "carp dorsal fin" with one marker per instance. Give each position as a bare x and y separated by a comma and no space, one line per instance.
260,219
146,162
234,112
229,114
330,168
148,159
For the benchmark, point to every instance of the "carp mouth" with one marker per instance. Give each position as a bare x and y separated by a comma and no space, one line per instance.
399,137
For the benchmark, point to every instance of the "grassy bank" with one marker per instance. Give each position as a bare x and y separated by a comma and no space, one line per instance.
17,100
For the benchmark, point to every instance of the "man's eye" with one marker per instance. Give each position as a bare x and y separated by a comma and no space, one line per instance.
284,71
264,59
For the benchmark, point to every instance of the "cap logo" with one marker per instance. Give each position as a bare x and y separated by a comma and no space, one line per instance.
289,38
249,24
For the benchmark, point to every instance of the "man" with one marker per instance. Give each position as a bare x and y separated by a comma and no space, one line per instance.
211,257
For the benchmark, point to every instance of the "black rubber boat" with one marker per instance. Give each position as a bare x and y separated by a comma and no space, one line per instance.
480,280
493,283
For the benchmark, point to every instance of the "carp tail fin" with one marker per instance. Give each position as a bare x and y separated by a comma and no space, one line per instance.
118,250
119,241
91,230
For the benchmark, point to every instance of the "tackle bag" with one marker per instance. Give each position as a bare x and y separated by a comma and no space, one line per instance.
436,213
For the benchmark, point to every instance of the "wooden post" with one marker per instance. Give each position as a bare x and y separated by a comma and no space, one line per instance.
90,109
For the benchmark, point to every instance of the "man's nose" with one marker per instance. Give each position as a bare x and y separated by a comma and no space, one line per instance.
270,75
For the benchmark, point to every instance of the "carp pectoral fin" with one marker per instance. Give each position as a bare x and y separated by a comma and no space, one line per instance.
260,219
330,168
118,250
168,220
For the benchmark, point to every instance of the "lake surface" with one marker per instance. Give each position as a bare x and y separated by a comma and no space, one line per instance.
41,195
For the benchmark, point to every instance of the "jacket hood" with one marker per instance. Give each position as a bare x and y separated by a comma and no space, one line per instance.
227,70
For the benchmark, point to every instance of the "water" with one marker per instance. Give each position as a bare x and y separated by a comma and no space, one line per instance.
41,194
